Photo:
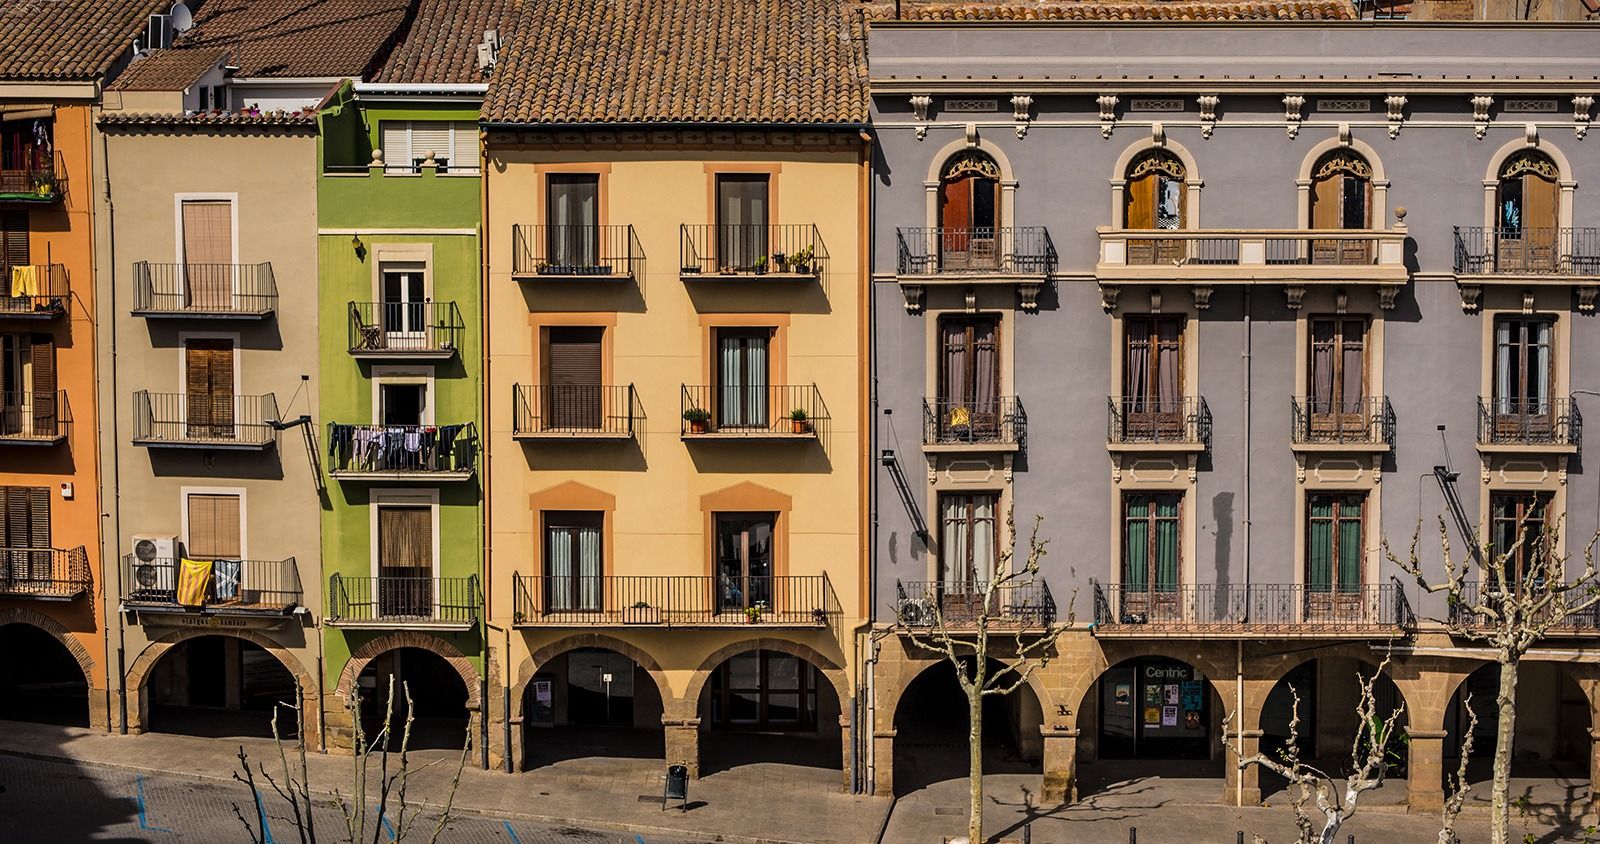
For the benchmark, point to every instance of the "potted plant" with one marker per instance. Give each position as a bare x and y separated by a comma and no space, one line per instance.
819,617
641,613
779,262
752,613
959,422
699,420
800,262
761,265
799,420
44,183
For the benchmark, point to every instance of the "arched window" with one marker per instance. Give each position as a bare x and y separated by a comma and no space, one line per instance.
1155,193
1341,198
969,210
1527,216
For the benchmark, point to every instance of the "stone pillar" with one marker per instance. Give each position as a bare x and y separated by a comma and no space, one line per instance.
339,723
1594,770
683,743
883,763
1250,775
1060,766
1425,770
845,737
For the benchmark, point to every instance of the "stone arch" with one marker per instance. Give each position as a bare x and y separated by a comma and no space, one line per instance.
139,672
537,659
689,704
57,631
1036,685
1191,175
361,656
1380,180
1567,181
1008,178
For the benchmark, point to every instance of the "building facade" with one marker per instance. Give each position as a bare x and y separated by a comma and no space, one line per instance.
1225,323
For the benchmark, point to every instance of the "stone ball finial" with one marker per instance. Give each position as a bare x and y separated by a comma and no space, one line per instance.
377,156
1400,214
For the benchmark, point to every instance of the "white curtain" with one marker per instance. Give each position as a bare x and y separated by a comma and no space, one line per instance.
558,570
953,544
732,383
1504,365
983,539
589,568
1539,364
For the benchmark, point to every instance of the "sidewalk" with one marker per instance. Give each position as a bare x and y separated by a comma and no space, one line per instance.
763,803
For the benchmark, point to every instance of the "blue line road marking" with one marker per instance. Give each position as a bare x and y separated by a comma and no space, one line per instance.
511,832
144,820
266,827
639,838
388,827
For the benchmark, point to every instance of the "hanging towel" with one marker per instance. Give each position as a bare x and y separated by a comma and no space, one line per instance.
24,280
226,579
194,577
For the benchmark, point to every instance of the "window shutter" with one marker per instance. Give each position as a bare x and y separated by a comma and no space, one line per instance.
44,384
405,540
574,356
214,526
24,517
433,137
13,242
464,150
1325,197
396,139
1141,202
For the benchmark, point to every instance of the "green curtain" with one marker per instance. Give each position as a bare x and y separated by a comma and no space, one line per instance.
1136,545
1350,544
1319,556
1166,544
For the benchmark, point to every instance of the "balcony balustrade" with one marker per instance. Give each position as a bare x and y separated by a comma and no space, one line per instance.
1363,424
1232,610
575,411
567,252
452,603
675,601
31,184
787,252
403,452
45,574
1176,424
35,417
989,424
1024,257
36,291
204,420
208,291
220,587
1585,623
962,605
1522,256
405,330
788,412
1553,425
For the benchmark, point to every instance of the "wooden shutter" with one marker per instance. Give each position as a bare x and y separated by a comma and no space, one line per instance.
574,367
214,526
24,517
396,142
405,541
208,254
44,385
1141,202
209,386
13,244
1325,199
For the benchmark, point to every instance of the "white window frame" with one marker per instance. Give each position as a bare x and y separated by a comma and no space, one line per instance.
183,369
244,512
401,374
177,228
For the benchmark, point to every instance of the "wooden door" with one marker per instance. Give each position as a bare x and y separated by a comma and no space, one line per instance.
968,405
1336,382
955,223
1154,407
1334,556
208,393
1540,198
1151,558
573,399
208,254
405,562
43,398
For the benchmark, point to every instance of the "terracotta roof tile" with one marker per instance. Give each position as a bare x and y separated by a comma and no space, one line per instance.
300,119
682,61
68,39
442,43
1125,10
169,70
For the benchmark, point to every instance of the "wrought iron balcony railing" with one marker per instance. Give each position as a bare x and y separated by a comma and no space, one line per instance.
792,251
997,421
1257,608
374,452
568,252
33,290
1183,421
1463,614
1363,421
675,601
204,420
1196,249
960,605
219,291
1547,422
414,330
267,587
50,574
574,411
34,417
402,600
1026,251
32,184
1528,251
772,411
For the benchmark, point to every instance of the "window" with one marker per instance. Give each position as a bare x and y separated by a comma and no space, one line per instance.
1334,542
1517,534
969,211
408,143
1152,376
745,558
742,212
969,377
405,312
967,540
572,208
742,377
573,561
572,364
1150,546
1341,198
27,385
25,533
402,404
1155,198
1336,384
207,254
765,689
14,250
26,148
405,561
214,530
1527,195
208,388
1523,367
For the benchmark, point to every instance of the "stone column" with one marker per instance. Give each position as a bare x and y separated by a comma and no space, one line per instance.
1251,775
683,743
1594,770
1425,769
1060,766
845,737
883,763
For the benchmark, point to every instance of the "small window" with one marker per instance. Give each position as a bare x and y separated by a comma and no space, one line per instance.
215,530
743,210
1334,542
1517,533
402,404
453,145
742,369
572,210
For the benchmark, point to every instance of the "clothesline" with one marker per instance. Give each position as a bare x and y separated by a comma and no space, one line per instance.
417,448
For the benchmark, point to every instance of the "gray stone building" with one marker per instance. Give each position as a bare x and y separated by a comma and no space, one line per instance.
1227,306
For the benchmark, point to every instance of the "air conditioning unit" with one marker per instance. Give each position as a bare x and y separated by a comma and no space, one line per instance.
155,562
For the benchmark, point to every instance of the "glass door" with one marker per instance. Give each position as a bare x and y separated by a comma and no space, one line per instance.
1152,377
405,312
744,561
1150,557
742,384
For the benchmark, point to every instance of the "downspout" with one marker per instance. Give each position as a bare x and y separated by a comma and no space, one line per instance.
1238,679
869,664
116,483
485,523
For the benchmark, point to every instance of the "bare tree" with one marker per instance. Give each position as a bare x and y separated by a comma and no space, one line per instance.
1459,786
391,787
987,611
1508,598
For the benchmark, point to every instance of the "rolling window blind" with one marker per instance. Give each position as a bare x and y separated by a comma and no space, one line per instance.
214,526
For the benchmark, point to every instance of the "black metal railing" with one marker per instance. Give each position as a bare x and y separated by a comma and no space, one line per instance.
1467,612
1536,422
793,249
760,410
948,250
55,573
204,289
1531,251
676,601
402,449
574,409
405,328
204,419
996,419
1336,247
1368,420
575,251
34,184
1179,421
34,415
265,586
965,604
403,599
33,290
1257,607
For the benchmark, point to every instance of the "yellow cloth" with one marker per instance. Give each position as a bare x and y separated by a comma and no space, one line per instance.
194,580
24,280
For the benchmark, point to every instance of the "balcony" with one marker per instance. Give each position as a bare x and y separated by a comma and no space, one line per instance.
385,602
770,253
574,412
33,185
923,606
1585,624
575,253
806,601
1365,424
1257,609
726,412
1548,426
1522,256
44,574
405,330
994,424
1139,424
205,421
210,587
1295,258
402,452
204,291
33,291
34,418
1024,257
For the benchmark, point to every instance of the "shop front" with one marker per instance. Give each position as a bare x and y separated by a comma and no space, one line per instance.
1154,709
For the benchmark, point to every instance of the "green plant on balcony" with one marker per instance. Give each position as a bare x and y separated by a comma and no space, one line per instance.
761,265
699,420
800,262
800,421
44,183
752,613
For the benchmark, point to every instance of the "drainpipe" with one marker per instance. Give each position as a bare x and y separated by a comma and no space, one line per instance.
1238,679
116,482
485,521
869,664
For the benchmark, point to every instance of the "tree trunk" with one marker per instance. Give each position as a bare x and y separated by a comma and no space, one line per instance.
1506,701
975,761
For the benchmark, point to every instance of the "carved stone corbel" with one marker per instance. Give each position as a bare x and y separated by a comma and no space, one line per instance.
1471,296
1527,301
970,297
1158,134
1005,471
1116,469
1300,467
1386,296
1020,104
1480,115
913,294
972,135
1293,104
1194,469
1580,115
1396,104
1586,295
1202,296
1344,135
1108,114
1208,114
1295,295
919,107
1530,134
1108,297
1028,292
1377,469
1561,469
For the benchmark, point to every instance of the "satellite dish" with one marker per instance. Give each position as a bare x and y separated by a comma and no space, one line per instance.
182,18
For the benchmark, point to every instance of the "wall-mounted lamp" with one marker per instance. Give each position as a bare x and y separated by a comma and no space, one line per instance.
359,247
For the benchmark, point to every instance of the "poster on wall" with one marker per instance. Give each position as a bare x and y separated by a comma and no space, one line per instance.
543,712
1171,696
1169,716
1193,694
1123,694
1152,695
1152,716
